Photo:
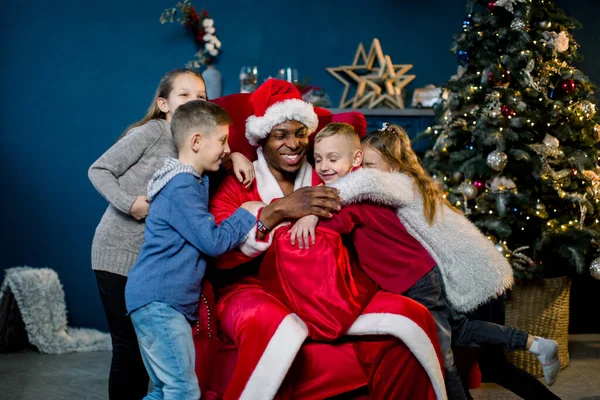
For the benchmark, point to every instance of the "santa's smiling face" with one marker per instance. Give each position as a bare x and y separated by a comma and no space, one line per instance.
285,147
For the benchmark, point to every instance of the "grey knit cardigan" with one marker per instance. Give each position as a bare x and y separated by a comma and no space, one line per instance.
121,175
473,270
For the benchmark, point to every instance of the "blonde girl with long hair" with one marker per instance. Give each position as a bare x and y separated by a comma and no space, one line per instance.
121,176
468,271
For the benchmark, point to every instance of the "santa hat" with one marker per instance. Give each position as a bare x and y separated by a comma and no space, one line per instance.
273,103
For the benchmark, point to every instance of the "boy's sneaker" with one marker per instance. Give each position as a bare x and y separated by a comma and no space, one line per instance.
546,351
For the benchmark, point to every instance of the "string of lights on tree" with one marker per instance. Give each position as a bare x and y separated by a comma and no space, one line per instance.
515,140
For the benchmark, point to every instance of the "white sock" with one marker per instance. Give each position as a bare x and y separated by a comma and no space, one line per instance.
546,351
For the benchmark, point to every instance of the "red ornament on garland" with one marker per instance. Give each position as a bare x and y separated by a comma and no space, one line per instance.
507,111
567,86
478,185
491,6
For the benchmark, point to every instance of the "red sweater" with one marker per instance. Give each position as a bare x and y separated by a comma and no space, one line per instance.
390,255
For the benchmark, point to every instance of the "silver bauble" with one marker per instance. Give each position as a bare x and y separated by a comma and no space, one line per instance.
497,160
595,269
540,206
457,176
469,190
545,24
502,248
587,107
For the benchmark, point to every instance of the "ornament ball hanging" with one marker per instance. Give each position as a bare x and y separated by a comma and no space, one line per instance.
497,160
507,111
491,6
567,86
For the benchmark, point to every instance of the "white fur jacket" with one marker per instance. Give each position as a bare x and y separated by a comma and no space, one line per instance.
473,270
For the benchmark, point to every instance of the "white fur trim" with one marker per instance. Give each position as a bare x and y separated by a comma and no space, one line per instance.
473,270
267,185
258,128
276,359
371,185
410,334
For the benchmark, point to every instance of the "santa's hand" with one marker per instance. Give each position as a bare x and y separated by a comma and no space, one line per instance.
315,200
304,231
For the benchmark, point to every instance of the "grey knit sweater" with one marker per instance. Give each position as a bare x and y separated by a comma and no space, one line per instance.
121,175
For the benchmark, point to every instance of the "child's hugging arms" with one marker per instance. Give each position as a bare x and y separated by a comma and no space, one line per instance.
241,167
303,231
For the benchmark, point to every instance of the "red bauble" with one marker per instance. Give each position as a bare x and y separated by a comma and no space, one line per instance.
491,6
491,78
507,111
567,86
478,185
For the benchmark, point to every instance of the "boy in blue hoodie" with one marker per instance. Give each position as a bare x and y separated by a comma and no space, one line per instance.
163,287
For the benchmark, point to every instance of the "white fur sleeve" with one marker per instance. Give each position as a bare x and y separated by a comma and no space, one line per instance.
371,185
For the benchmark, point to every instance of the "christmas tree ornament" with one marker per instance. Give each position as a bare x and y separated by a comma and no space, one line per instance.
587,108
500,184
491,6
596,133
457,176
468,190
595,269
567,86
559,42
540,207
551,142
508,4
519,25
497,160
479,185
507,111
545,24
502,248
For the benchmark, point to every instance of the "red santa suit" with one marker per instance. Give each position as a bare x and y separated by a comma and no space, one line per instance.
274,359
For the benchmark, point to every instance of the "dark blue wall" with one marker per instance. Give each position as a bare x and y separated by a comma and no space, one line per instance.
75,74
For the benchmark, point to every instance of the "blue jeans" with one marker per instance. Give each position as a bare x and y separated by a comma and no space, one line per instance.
455,328
167,347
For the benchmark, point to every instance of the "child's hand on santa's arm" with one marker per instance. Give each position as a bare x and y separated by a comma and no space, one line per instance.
303,231
242,167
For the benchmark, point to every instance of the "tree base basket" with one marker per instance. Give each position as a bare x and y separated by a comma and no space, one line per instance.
540,308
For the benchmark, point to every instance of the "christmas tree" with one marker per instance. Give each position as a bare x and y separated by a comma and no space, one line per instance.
515,140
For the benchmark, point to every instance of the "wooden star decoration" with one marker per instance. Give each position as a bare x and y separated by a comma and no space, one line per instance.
377,79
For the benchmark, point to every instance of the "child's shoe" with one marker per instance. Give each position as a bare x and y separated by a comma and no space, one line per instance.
546,351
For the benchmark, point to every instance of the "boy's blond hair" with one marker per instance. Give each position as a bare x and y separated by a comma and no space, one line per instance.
340,129
196,116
